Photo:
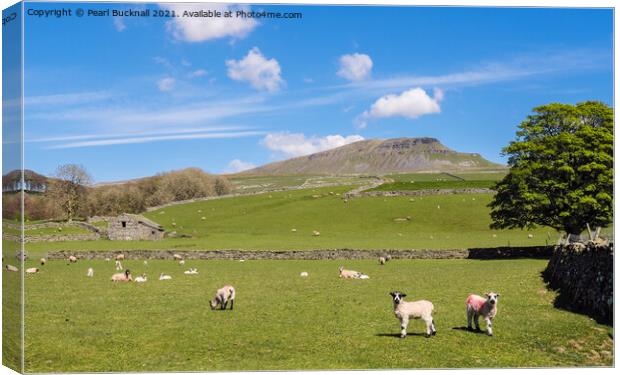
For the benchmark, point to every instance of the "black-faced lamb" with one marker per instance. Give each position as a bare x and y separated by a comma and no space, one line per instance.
480,306
223,295
413,310
126,276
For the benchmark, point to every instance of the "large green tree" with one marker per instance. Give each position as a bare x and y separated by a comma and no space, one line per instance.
561,170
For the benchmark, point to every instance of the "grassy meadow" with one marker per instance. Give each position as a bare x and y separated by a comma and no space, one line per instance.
266,221
283,322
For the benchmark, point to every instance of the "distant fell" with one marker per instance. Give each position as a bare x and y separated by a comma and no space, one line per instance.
376,156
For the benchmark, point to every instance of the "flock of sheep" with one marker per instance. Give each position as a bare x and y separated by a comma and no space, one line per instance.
476,306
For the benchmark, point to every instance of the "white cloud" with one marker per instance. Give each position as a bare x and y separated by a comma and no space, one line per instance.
198,73
200,29
412,104
262,73
165,84
237,165
119,24
355,67
57,100
297,144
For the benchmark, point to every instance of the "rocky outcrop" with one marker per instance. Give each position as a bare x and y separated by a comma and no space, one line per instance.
582,273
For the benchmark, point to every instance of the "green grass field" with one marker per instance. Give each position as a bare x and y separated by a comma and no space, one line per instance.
264,222
424,185
284,322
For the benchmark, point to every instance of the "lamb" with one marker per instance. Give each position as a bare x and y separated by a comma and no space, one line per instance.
32,270
348,274
421,309
72,259
177,257
43,261
382,260
118,265
223,295
191,271
164,277
487,307
126,276
316,233
304,274
90,272
141,279
11,268
181,262
120,257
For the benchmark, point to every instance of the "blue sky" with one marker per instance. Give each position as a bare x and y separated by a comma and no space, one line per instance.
132,97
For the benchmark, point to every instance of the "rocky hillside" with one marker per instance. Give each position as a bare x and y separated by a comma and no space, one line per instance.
380,157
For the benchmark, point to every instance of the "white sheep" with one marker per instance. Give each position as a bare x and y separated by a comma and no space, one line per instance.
349,274
146,263
125,276
32,270
477,306
141,279
72,259
118,265
43,261
417,310
316,233
11,268
223,295
90,272
120,257
304,274
177,257
181,262
382,260
191,271
164,277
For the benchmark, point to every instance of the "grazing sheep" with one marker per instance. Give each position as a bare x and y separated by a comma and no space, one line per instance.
120,257
293,230
388,257
304,274
32,270
141,279
126,276
316,233
181,262
11,268
164,277
223,295
43,261
487,307
90,272
382,260
72,259
530,236
417,310
146,263
107,259
118,265
191,271
348,274
177,257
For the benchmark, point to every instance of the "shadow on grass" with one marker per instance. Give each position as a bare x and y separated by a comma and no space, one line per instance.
463,328
397,335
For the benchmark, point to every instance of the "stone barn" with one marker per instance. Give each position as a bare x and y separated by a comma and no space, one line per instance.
128,227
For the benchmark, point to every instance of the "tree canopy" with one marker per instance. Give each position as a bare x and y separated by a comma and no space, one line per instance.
561,170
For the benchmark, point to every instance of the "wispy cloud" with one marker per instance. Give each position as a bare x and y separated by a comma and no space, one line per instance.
298,144
237,165
159,138
67,98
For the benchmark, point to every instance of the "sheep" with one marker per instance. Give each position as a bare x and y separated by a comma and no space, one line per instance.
118,265
388,257
43,261
32,270
177,257
191,271
11,268
72,259
223,295
107,259
293,230
120,257
146,263
90,272
530,236
382,260
141,279
304,274
316,233
181,262
164,277
126,276
348,274
421,309
487,307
